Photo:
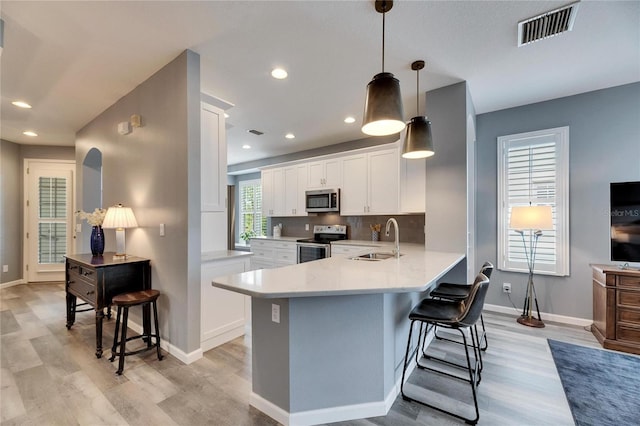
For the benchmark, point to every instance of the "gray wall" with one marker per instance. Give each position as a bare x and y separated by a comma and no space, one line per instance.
156,171
604,147
12,158
446,198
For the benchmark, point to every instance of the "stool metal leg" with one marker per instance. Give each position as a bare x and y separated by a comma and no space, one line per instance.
155,321
123,343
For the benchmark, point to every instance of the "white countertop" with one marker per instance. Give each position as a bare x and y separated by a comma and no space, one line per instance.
416,270
223,254
294,239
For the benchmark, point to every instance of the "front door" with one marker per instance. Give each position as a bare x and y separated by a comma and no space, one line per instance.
49,188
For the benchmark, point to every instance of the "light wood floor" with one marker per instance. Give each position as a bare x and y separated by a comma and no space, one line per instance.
50,376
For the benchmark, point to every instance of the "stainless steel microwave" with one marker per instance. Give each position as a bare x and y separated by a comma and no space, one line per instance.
322,200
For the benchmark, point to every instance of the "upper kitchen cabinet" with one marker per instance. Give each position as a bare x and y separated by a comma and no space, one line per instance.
371,183
273,192
325,174
213,159
295,184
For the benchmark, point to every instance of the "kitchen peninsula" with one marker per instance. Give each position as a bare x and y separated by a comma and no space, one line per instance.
328,336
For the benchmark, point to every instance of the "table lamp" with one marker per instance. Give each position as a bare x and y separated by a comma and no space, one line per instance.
533,219
119,218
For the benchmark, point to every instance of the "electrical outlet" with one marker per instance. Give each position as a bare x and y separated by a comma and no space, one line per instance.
275,313
162,229
506,287
5,268
306,226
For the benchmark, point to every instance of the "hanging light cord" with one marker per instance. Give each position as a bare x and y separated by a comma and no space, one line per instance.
383,13
418,92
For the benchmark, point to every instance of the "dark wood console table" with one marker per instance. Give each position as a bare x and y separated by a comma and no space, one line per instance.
616,308
96,279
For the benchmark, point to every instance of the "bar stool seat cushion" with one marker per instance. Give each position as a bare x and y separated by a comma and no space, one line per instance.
442,311
135,297
451,291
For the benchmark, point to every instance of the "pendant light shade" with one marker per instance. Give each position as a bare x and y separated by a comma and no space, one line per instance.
383,112
418,142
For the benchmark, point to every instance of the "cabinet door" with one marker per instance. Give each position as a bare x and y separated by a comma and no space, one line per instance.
278,193
383,182
301,178
266,180
290,191
333,173
213,159
353,196
315,175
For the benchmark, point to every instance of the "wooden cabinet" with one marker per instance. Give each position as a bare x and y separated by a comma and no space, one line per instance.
224,314
616,308
96,279
274,253
371,183
295,184
213,159
325,174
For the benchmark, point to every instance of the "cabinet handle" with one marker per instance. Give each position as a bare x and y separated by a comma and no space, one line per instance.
87,273
70,282
71,268
89,293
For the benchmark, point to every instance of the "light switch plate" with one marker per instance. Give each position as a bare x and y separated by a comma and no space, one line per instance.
162,229
275,313
5,268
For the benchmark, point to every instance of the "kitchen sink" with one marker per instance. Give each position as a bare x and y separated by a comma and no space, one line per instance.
374,256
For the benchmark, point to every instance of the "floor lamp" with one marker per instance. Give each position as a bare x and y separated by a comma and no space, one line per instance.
533,219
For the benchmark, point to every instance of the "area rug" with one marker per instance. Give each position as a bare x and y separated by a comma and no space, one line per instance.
602,387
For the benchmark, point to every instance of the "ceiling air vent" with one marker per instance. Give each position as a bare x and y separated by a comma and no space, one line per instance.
547,25
255,132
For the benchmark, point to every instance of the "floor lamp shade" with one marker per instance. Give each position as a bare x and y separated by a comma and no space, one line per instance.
383,110
531,217
119,218
418,142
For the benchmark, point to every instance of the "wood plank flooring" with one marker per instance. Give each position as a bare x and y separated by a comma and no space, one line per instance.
50,376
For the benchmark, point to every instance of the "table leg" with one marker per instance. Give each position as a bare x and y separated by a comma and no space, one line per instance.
71,310
99,318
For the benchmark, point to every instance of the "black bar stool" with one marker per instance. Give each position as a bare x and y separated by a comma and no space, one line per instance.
124,301
458,316
457,292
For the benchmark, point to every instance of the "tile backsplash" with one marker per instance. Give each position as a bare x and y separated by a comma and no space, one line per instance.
411,226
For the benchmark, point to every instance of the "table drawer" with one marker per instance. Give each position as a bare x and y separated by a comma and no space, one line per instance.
629,316
88,274
627,281
628,298
82,288
629,333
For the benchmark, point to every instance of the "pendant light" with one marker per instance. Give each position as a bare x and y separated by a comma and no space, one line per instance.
418,142
383,113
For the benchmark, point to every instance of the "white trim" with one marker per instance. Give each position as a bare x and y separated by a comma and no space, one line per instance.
12,283
186,358
216,338
563,319
269,408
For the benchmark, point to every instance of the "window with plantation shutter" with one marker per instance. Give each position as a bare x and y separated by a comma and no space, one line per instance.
52,220
533,169
250,211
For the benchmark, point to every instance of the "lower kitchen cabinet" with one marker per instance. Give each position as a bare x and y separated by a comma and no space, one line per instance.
224,314
344,249
272,253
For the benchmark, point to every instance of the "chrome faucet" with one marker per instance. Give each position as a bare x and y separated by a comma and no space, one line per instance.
396,249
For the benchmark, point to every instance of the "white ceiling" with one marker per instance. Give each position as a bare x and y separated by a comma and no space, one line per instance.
72,60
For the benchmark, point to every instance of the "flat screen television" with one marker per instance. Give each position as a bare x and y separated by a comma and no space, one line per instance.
625,222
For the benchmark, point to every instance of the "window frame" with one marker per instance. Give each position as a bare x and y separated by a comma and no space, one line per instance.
256,211
560,204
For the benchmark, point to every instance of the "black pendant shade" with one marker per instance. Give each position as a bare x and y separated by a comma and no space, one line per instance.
418,143
383,111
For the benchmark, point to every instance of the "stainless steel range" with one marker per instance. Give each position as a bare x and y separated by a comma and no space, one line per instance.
319,246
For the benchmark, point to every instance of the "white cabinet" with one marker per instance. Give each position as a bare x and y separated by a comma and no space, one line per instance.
295,184
371,183
325,174
274,253
224,314
349,250
213,159
272,182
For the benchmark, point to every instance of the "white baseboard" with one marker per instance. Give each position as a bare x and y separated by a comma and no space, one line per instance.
270,409
582,322
11,283
186,358
222,338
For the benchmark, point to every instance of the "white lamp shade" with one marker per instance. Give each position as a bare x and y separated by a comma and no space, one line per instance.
119,217
530,217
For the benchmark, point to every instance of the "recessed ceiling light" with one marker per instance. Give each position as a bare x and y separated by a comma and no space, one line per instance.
30,133
21,104
349,120
226,115
246,146
290,136
279,73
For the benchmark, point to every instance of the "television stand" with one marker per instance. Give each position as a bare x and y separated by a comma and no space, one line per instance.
616,307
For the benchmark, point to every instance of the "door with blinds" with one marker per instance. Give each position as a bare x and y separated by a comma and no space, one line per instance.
49,189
